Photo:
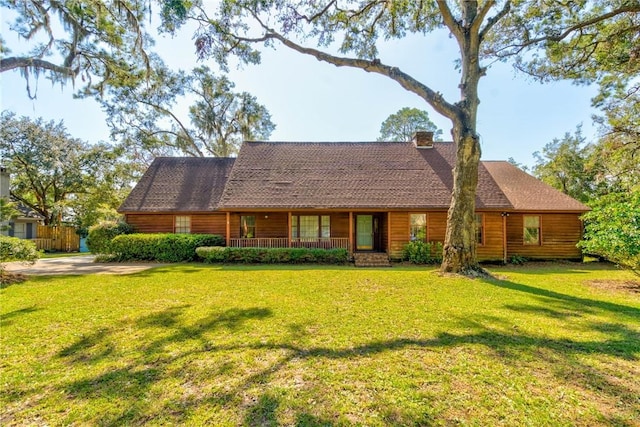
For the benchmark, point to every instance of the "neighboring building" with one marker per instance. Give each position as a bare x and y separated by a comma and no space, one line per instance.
362,196
25,225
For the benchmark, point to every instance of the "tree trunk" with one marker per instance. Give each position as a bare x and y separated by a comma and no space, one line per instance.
460,242
460,239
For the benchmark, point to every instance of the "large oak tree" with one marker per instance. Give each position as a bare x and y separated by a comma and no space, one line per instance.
402,125
93,43
328,30
145,118
53,173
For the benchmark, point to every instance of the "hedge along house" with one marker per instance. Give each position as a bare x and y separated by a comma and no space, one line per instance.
361,196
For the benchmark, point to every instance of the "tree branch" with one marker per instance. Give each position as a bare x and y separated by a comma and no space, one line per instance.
314,17
7,64
170,114
450,21
579,26
435,99
495,19
475,27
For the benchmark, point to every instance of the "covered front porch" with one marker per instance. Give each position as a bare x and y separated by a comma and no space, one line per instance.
353,231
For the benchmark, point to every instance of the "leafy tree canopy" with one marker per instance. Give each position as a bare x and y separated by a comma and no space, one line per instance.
144,118
53,173
612,229
584,40
401,126
100,42
568,164
619,145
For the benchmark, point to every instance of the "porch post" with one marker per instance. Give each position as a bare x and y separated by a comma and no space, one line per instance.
504,236
388,248
350,232
289,228
228,231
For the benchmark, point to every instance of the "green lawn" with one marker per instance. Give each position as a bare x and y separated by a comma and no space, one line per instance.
194,344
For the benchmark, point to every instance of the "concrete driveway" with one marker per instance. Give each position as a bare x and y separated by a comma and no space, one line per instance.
81,264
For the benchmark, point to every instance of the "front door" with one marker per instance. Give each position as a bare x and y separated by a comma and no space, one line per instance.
364,233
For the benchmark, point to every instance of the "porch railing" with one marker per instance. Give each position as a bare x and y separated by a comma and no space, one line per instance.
283,242
262,242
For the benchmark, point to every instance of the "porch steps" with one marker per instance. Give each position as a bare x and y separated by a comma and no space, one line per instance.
371,259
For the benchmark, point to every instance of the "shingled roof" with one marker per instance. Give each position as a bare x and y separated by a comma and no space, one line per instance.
334,175
186,184
528,193
358,175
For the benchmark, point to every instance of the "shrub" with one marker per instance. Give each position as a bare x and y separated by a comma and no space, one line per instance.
14,249
419,252
100,235
612,229
273,255
517,259
161,247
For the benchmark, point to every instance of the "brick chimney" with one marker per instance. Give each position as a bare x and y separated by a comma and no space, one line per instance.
423,139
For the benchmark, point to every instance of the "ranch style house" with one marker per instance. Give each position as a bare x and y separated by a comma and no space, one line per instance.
361,196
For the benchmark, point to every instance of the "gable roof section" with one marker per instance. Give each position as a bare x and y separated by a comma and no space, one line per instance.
186,184
527,193
358,175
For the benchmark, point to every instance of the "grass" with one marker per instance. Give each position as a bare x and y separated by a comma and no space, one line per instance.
321,346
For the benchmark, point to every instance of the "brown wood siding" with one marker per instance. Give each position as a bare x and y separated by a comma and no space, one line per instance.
163,223
340,225
436,226
559,235
271,225
209,224
151,223
268,224
492,249
399,234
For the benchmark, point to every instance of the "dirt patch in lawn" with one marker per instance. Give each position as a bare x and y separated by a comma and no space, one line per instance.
626,286
7,278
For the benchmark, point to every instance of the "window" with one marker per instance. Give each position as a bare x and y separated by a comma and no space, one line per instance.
183,224
531,230
247,226
20,230
480,229
310,227
418,227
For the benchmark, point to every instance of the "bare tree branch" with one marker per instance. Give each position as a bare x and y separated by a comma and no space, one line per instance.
450,21
435,99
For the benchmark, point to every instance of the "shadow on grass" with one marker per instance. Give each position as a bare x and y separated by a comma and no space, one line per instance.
550,267
134,382
577,303
5,319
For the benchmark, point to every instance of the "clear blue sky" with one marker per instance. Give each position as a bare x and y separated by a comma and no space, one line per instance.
314,101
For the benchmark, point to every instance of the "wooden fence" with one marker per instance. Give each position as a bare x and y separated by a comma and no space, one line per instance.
61,239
